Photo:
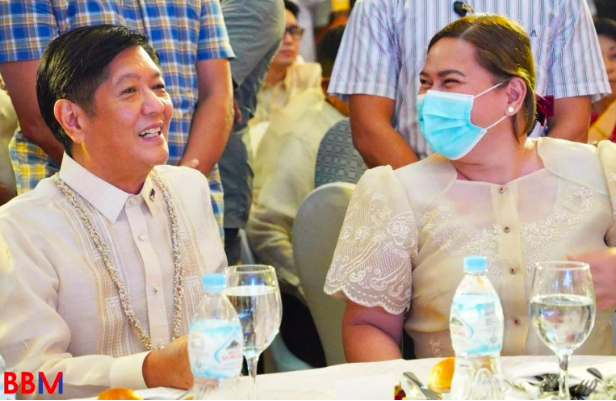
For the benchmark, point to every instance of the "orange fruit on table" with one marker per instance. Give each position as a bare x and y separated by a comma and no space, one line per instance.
119,393
441,374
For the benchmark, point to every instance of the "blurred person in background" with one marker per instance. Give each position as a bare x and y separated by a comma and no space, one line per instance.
290,89
8,124
603,119
255,31
189,36
306,20
292,179
385,45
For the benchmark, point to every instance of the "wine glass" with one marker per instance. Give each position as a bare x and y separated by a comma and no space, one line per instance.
254,293
562,310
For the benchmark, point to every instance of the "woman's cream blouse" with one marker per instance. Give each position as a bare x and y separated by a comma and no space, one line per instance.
407,232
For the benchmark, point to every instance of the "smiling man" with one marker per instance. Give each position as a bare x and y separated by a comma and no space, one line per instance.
100,265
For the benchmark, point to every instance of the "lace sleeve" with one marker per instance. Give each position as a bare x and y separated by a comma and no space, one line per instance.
372,261
607,157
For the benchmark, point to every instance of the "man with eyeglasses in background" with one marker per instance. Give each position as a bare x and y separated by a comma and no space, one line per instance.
292,93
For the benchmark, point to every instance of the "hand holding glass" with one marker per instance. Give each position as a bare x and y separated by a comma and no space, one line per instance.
254,293
562,310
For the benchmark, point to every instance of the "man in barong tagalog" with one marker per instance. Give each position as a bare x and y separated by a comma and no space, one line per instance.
101,264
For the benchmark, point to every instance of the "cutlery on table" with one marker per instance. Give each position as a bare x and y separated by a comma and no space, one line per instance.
430,394
595,372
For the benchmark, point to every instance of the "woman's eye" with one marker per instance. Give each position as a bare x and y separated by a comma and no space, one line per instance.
450,82
159,86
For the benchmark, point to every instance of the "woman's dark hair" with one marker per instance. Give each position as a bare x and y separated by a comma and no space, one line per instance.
289,5
75,64
503,48
606,27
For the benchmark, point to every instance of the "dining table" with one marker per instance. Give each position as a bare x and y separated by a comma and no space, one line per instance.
376,380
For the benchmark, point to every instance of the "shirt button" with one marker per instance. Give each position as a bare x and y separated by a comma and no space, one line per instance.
133,201
502,190
507,229
142,237
156,289
513,270
161,345
517,321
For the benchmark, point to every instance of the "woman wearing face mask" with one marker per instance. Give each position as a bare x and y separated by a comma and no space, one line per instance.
488,191
603,120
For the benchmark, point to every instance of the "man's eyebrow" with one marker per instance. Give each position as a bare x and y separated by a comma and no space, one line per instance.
132,75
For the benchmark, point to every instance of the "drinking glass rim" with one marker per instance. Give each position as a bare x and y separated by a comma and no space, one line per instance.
562,265
249,269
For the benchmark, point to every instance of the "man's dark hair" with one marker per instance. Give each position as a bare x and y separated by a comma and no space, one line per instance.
606,27
606,9
75,64
289,5
327,49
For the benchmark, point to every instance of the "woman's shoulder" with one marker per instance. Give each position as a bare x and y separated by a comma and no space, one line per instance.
576,162
419,183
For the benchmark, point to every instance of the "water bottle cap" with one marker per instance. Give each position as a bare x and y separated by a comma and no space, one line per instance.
475,264
214,282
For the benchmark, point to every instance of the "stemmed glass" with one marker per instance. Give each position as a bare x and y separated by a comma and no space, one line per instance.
254,293
562,310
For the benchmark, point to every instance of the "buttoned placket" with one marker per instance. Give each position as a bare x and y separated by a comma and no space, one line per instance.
511,259
157,312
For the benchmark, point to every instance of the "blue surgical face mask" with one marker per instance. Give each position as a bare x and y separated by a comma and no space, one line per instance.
445,122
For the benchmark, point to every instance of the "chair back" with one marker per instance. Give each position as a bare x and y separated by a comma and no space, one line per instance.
337,158
315,234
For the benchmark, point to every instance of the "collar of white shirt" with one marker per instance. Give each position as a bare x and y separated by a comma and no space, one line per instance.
104,197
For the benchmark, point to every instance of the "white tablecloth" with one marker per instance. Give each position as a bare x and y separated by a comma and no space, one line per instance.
330,383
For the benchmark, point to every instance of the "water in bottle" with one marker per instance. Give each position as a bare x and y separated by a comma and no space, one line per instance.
215,343
4,396
476,324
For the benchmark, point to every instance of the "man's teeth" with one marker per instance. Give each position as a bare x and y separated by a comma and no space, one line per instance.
150,133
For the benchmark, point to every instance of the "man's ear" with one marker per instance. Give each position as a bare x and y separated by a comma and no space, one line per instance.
71,117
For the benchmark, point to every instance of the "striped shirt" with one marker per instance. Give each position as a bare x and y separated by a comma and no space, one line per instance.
385,45
183,32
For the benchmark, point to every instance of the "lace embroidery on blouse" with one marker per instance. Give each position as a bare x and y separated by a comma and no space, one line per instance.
611,235
541,236
372,262
459,239
436,347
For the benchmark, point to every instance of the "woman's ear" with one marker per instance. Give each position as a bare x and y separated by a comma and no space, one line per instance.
70,116
516,93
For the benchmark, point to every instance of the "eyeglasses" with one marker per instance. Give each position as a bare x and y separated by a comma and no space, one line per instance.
295,31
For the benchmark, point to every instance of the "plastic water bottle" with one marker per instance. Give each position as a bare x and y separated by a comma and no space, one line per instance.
476,324
4,396
215,343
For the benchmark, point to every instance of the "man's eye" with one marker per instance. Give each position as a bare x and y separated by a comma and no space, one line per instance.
129,90
159,86
450,81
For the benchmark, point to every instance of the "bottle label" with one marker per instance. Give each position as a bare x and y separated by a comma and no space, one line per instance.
475,327
215,349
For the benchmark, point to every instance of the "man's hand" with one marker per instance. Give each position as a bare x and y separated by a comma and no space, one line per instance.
374,137
237,113
169,367
603,268
193,163
571,119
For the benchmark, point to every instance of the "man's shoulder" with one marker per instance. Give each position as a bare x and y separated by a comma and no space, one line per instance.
34,204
